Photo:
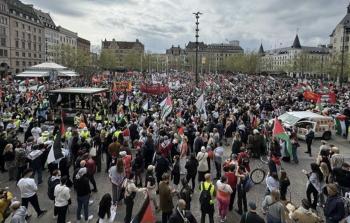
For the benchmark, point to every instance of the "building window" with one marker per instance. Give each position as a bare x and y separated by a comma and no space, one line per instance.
29,36
1,52
34,37
3,41
23,27
5,53
17,63
34,47
23,63
23,35
39,55
29,28
16,24
23,45
29,46
30,64
17,54
39,39
23,54
17,44
34,55
39,47
29,55
17,34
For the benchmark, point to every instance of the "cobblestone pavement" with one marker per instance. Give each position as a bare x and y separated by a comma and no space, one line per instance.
297,188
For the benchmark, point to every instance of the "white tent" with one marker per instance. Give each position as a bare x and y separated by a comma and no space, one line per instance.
30,73
48,66
50,70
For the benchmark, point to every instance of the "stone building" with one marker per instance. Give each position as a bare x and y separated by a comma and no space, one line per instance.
125,51
26,36
340,36
51,35
4,38
83,45
67,37
211,57
296,59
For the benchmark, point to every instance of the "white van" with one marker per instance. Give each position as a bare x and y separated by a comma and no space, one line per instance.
323,126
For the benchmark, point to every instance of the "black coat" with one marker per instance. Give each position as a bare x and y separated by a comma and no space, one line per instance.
177,218
82,186
191,166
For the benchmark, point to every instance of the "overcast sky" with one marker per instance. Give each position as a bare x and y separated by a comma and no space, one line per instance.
162,23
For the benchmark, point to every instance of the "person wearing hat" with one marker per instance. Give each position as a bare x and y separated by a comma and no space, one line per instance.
251,216
28,189
19,212
334,210
304,214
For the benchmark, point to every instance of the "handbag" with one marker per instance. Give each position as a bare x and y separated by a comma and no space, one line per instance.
93,151
248,184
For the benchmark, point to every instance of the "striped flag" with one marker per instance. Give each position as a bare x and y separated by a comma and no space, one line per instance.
56,152
145,215
167,106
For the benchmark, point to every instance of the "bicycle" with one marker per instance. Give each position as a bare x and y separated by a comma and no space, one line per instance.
258,174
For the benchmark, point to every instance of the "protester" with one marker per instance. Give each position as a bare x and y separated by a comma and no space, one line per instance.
241,174
202,164
275,210
191,167
82,187
6,198
165,198
105,209
116,176
186,193
223,195
62,199
284,184
19,213
251,216
29,189
334,208
151,186
181,214
314,184
206,198
304,214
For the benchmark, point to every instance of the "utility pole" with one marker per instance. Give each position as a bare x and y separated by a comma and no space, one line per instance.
197,14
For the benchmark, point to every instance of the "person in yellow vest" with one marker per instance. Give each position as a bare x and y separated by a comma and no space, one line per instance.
43,137
208,208
85,134
116,134
98,117
17,122
68,134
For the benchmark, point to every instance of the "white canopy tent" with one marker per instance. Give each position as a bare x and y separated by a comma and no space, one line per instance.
47,70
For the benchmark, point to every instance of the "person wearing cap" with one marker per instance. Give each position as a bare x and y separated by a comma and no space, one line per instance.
334,210
181,214
202,164
19,212
28,189
251,216
304,214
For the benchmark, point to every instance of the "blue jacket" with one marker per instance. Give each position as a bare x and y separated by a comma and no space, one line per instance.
334,209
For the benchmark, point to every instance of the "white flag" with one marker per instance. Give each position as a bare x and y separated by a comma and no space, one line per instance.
127,103
200,105
59,98
145,105
166,106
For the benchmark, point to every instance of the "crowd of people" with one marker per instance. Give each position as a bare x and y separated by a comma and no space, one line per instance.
168,158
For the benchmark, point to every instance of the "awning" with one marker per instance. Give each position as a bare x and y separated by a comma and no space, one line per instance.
67,73
33,74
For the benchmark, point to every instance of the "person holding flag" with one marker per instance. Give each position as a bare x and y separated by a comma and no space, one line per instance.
279,133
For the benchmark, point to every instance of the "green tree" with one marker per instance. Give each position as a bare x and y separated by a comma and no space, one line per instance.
107,59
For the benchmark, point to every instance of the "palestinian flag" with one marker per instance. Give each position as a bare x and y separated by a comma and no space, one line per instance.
167,106
279,132
145,215
56,149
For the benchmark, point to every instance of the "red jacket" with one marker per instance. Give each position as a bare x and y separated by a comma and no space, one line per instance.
127,164
231,179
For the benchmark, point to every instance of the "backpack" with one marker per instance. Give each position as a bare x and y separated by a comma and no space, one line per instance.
51,188
205,196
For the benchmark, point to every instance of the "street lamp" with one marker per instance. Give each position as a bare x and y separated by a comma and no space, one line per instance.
197,44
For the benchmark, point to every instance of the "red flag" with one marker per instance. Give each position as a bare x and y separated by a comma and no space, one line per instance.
62,128
311,96
277,128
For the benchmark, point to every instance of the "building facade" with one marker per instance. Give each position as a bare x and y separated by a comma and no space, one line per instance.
51,35
211,57
340,36
83,45
67,37
27,36
176,58
4,38
296,59
128,54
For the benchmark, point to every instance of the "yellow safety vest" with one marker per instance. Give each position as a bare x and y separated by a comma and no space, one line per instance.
85,134
68,135
17,123
117,133
98,117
